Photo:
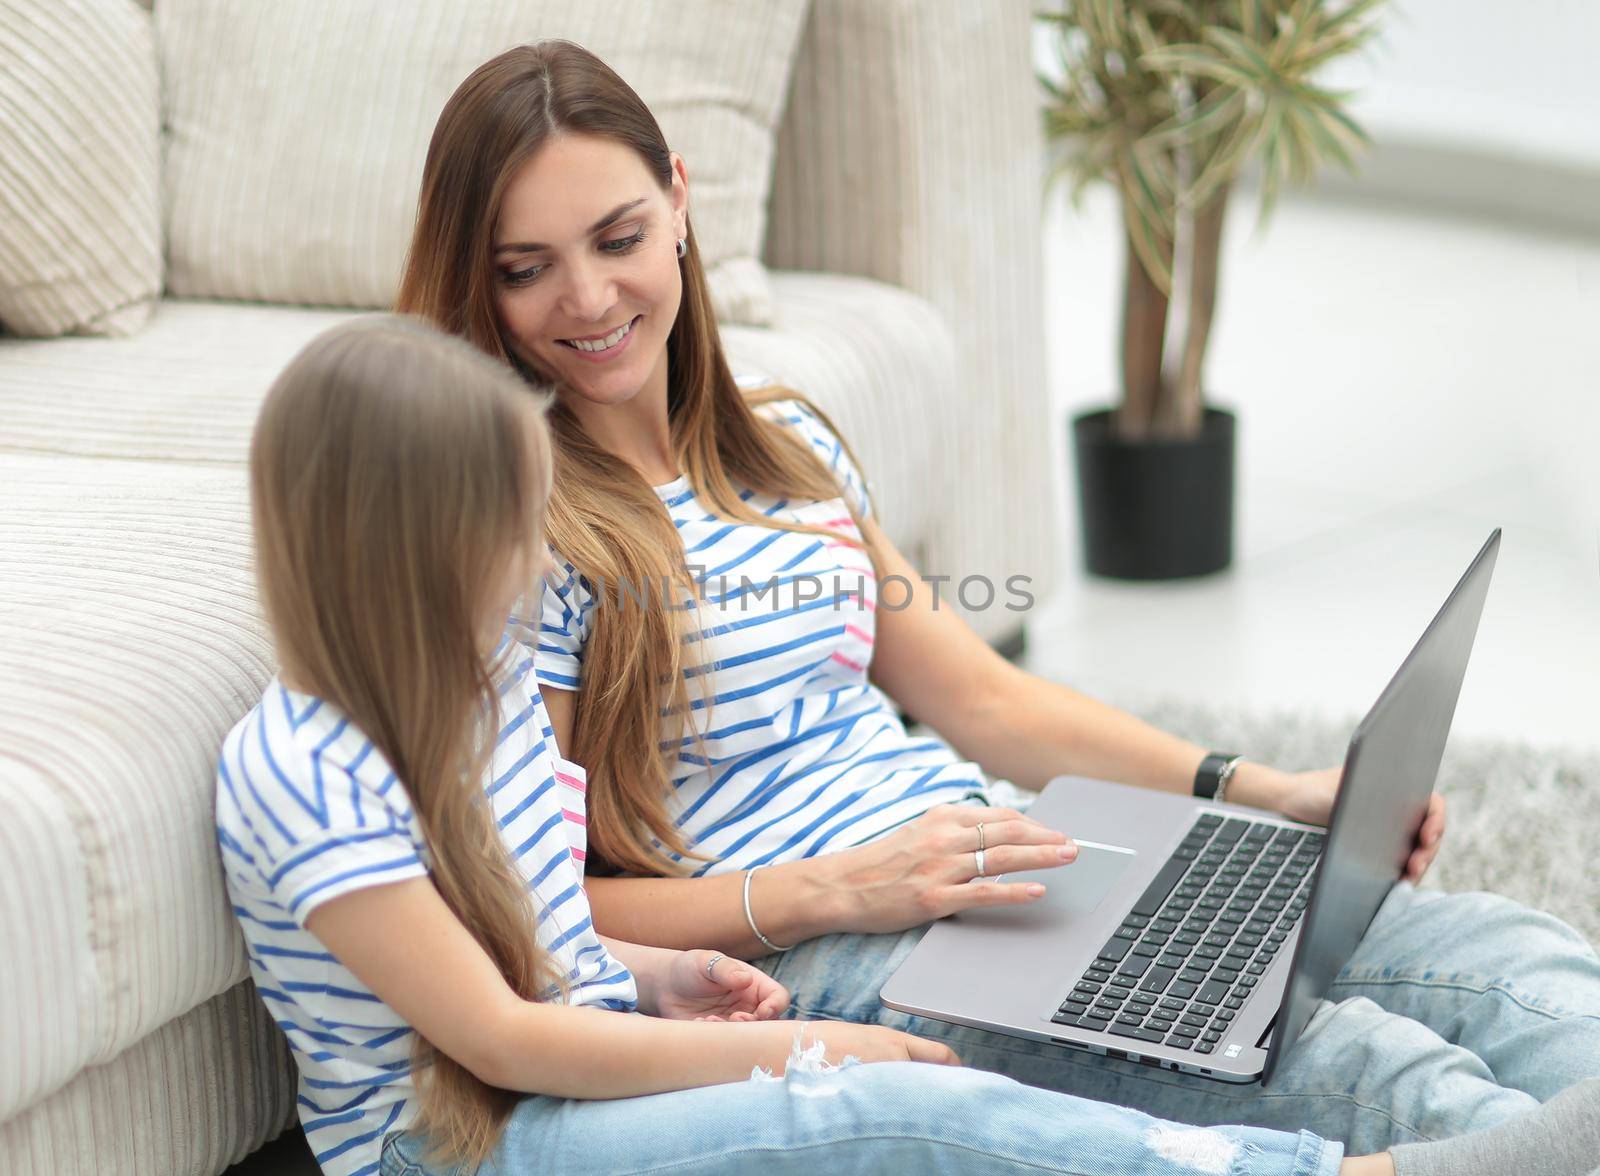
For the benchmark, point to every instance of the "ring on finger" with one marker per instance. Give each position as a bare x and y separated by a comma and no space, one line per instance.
977,855
711,963
981,843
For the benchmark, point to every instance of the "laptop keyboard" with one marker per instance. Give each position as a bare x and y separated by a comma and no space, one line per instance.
1191,951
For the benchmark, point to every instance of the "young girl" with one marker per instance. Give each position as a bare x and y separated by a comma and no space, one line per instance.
782,802
403,845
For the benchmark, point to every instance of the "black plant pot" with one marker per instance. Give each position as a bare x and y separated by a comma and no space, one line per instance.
1155,510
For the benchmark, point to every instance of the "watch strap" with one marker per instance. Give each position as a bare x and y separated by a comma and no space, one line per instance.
1213,773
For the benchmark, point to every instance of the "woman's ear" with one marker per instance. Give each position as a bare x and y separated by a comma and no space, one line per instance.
680,196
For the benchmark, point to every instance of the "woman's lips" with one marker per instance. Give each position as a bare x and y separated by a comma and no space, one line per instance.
609,353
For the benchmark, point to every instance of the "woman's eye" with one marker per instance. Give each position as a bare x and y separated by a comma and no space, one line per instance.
619,246
623,244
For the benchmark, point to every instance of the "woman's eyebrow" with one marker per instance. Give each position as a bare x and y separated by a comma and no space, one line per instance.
600,225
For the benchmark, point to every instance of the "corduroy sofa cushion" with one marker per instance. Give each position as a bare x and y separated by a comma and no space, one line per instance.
297,130
80,168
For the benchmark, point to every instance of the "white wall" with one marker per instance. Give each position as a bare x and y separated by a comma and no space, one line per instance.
1516,81
1510,78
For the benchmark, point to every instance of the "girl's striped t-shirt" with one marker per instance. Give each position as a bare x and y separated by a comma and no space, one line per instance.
308,810
801,754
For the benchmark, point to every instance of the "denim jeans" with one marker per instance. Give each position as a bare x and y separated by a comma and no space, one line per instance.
1455,1012
888,1117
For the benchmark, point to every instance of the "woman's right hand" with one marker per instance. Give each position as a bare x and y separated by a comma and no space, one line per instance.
873,1043
925,869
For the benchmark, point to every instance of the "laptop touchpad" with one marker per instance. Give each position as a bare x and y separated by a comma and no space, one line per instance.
1070,891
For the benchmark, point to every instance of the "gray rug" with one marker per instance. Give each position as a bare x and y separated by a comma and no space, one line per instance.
1524,821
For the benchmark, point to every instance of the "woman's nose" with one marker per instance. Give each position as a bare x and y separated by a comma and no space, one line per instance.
589,293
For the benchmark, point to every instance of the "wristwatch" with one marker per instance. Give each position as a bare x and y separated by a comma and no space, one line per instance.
1215,771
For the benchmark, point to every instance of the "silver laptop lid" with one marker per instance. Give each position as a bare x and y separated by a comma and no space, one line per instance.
1389,774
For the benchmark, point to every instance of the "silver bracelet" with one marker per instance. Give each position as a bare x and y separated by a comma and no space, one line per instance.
751,919
1225,775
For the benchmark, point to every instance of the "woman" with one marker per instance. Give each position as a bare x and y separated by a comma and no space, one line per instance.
553,232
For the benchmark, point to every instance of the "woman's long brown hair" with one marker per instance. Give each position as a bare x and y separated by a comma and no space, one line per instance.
604,518
393,473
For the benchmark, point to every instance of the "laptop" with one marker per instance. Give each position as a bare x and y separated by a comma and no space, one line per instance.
1195,936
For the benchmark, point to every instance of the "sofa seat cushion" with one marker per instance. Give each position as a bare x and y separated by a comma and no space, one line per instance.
879,360
185,389
134,641
132,644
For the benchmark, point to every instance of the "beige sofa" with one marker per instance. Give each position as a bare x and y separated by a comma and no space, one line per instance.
902,236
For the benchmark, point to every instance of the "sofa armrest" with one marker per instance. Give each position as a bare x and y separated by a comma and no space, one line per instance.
912,152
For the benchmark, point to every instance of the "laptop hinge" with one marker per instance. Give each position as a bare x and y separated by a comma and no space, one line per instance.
1266,1034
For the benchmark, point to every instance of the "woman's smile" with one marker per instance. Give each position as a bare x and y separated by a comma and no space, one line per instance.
603,347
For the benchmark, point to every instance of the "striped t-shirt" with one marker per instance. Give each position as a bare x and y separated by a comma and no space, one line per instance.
803,755
307,810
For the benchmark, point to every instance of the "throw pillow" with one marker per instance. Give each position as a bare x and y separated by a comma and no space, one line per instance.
80,167
297,129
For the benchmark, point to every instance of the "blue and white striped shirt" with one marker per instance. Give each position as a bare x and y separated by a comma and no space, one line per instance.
803,755
308,810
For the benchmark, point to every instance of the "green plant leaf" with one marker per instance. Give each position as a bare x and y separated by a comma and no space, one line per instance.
1199,61
1149,216
1350,15
1144,37
1242,53
1251,19
1300,149
1348,124
1303,21
1228,159
1270,182
1209,117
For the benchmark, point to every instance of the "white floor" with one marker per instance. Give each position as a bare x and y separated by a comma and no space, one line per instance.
1405,384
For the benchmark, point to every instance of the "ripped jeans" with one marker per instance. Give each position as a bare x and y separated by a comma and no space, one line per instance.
888,1117
1456,1012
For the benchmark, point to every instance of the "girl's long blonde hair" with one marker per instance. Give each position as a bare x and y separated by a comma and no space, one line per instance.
393,473
604,517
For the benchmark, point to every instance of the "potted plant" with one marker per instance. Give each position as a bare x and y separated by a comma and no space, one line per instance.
1169,100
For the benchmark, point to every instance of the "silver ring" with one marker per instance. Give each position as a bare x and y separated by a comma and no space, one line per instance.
712,962
978,856
980,835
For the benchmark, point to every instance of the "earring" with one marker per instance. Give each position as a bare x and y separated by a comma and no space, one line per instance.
683,246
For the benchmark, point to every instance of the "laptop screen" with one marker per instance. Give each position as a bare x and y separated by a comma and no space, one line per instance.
1389,774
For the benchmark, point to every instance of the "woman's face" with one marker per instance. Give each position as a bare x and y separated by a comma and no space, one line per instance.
585,248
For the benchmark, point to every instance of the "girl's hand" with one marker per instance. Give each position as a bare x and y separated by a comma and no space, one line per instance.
925,869
727,990
874,1043
1308,797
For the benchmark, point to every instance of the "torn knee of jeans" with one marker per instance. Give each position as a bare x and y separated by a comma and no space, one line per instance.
1199,1148
805,1059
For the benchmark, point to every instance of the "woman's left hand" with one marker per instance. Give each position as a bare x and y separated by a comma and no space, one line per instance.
1308,797
730,990
1429,837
